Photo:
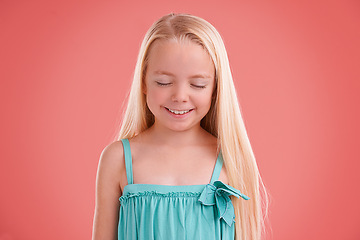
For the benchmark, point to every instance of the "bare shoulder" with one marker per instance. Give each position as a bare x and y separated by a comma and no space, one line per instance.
112,156
112,163
108,191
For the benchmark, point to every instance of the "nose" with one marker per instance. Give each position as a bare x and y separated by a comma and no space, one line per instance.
180,93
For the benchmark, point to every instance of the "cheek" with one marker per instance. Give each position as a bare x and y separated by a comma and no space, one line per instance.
204,100
154,96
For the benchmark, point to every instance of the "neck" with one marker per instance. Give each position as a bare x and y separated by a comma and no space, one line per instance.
169,137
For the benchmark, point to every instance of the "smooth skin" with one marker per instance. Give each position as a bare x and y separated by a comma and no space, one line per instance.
179,85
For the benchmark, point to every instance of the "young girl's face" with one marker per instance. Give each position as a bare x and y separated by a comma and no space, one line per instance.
179,84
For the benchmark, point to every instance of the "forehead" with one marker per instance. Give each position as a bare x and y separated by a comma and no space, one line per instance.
179,58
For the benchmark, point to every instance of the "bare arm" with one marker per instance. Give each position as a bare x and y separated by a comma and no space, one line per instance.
108,191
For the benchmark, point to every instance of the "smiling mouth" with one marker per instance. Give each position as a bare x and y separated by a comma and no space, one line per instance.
178,112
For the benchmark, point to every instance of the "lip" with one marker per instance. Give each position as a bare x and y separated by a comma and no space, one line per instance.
178,115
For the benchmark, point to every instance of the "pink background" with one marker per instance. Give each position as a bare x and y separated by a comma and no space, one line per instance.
66,67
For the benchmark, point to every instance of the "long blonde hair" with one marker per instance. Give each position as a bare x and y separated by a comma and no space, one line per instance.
223,120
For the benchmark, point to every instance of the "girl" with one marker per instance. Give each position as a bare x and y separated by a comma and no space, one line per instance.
182,166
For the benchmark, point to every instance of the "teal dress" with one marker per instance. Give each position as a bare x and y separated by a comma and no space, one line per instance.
163,212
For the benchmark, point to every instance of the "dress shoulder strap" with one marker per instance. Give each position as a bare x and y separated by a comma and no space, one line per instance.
128,160
217,169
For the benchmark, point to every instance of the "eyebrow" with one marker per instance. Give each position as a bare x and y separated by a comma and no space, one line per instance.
200,75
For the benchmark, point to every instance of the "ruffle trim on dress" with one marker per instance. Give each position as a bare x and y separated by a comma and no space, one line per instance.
123,199
215,194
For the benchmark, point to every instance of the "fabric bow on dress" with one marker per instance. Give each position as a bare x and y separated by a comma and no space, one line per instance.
218,194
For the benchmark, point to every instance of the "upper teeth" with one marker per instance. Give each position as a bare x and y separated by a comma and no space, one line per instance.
178,112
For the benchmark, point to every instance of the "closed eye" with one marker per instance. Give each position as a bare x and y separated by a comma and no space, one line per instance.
162,84
198,86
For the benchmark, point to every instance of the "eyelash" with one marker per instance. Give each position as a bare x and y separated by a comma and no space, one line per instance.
196,86
162,84
166,84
